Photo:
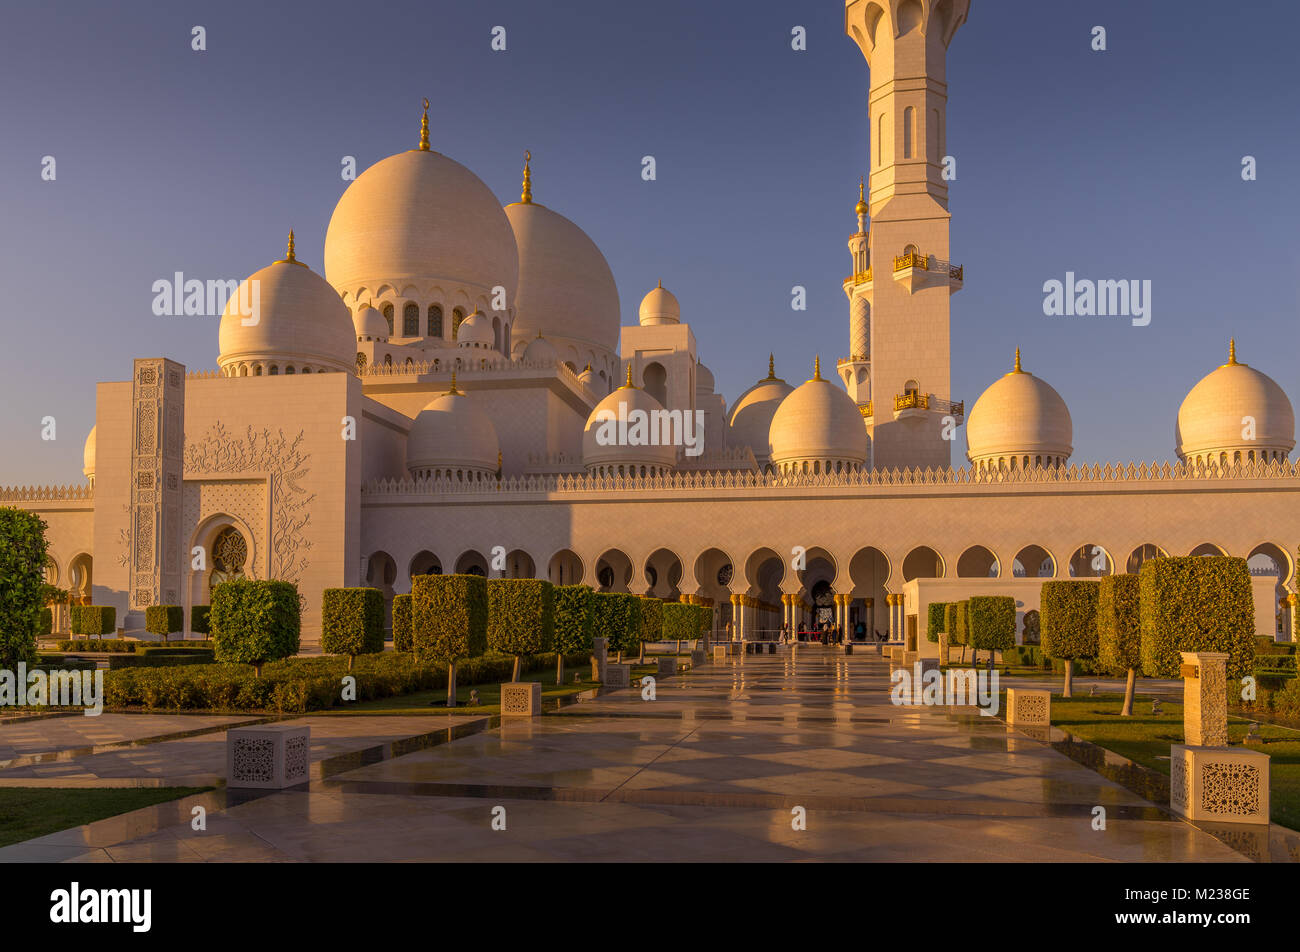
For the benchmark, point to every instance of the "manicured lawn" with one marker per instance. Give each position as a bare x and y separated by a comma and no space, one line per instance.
489,695
27,812
1145,739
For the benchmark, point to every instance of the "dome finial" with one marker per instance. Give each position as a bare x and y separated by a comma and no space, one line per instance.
424,128
290,255
1017,369
453,383
1232,351
526,196
771,366
861,208
629,385
817,367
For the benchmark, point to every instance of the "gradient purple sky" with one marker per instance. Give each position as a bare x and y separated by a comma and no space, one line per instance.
1123,164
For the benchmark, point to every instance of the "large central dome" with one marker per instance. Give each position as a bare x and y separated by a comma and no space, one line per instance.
419,217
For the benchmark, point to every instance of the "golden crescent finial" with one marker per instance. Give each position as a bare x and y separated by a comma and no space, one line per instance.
424,128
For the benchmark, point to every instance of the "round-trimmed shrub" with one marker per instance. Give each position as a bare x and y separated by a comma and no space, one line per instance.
255,621
992,622
934,620
352,621
573,617
1196,603
164,619
402,623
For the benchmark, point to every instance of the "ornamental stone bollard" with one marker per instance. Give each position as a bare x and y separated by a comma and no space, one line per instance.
719,652
1224,784
697,657
1029,708
599,658
1205,698
667,667
268,756
521,699
618,675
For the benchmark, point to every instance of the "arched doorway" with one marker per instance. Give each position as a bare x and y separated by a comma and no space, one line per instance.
1091,561
565,568
472,563
1034,561
663,574
978,562
613,571
1143,553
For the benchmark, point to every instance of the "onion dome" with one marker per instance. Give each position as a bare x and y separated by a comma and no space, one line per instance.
475,332
622,435
1228,407
566,289
818,429
88,455
452,438
370,325
861,209
420,218
588,377
660,307
542,350
704,382
751,417
286,316
1019,421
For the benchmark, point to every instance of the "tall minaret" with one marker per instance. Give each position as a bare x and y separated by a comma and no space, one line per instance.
856,371
910,277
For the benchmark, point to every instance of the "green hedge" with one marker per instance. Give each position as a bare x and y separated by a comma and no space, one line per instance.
1068,618
164,619
1024,656
1196,603
521,615
1119,623
652,619
683,622
255,620
992,622
45,623
122,644
23,592
449,617
93,619
352,621
934,622
961,628
161,658
199,615
573,617
402,623
617,616
950,622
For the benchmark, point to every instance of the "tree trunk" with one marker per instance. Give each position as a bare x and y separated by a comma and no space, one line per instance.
257,669
641,658
1128,693
620,656
514,675
1069,678
351,659
679,646
451,684
559,668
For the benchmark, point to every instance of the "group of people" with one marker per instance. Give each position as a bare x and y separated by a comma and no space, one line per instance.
826,633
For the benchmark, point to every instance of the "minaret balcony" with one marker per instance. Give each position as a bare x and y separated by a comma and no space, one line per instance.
859,279
916,406
916,270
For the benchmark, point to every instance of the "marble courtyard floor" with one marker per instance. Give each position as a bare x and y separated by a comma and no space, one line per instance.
708,771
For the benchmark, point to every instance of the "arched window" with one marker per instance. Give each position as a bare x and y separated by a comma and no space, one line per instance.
880,139
388,360
257,371
496,333
411,320
909,122
288,370
361,362
435,321
457,316
388,316
274,370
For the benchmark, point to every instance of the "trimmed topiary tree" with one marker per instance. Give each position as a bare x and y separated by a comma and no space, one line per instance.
1119,631
164,620
255,621
199,615
617,616
652,623
352,622
23,555
992,623
950,626
934,621
1196,603
402,623
1068,619
98,620
573,618
521,617
682,622
961,630
449,616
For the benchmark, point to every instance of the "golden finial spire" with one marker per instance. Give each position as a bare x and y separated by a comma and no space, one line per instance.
817,367
1017,369
424,128
290,255
1232,352
526,196
628,385
861,208
453,383
771,366
587,369
661,282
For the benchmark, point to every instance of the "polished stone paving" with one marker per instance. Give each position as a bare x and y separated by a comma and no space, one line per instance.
710,769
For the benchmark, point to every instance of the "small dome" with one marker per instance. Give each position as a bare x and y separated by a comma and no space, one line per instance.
300,322
453,435
751,416
660,307
419,217
475,331
370,324
1211,421
541,349
820,425
1019,416
88,455
704,382
604,454
588,377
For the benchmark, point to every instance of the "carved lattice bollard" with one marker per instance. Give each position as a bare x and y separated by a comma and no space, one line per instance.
1029,708
268,756
618,675
521,699
667,667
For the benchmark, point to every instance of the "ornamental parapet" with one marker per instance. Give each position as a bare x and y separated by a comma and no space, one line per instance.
44,493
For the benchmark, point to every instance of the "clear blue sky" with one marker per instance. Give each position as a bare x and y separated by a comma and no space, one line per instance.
1123,164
